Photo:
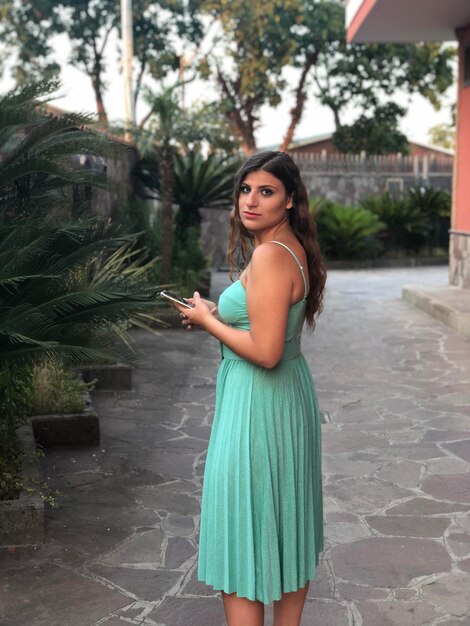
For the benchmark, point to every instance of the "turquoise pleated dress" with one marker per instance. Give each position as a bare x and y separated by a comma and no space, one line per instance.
261,529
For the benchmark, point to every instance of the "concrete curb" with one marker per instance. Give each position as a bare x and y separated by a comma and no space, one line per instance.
453,311
116,376
387,263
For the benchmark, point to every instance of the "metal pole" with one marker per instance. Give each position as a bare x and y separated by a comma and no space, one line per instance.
127,54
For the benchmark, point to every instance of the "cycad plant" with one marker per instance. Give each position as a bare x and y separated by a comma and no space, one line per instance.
202,182
405,226
43,157
435,205
63,292
347,232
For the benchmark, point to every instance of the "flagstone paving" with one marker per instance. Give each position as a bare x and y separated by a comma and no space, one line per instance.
121,548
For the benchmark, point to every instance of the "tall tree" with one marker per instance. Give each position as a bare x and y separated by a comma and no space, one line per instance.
168,131
29,28
263,39
255,47
159,139
321,25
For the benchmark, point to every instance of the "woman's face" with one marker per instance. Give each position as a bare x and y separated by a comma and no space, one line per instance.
263,201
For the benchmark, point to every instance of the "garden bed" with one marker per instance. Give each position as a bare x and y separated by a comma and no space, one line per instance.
22,519
74,429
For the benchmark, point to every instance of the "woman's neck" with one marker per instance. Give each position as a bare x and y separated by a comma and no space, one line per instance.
278,231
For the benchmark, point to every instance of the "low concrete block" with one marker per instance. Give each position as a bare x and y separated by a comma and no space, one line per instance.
109,377
75,429
22,519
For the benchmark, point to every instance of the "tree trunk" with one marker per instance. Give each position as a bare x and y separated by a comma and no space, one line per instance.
300,98
167,175
336,117
242,128
244,131
102,115
248,145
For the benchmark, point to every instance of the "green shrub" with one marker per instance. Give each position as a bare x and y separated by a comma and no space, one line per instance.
188,260
15,385
135,216
10,470
405,225
435,205
317,204
347,232
202,182
417,221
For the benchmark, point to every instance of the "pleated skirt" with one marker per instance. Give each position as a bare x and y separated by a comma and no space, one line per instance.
261,530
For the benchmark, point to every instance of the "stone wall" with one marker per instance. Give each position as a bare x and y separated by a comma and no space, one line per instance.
459,259
214,235
119,176
347,179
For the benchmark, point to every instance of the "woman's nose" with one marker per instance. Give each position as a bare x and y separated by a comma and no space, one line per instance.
252,199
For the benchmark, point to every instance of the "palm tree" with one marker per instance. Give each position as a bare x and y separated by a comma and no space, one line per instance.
180,175
159,140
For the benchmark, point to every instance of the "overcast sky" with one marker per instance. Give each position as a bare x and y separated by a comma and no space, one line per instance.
79,96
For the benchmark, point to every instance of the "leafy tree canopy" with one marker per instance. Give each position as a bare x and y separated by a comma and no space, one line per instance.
255,45
29,27
262,39
364,74
378,134
442,135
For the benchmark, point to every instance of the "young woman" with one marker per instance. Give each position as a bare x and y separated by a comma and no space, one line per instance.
262,510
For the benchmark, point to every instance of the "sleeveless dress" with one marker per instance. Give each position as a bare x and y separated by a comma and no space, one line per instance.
261,528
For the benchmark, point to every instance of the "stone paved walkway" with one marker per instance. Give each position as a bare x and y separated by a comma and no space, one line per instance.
121,549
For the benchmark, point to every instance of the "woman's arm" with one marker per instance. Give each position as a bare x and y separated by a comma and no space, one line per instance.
268,296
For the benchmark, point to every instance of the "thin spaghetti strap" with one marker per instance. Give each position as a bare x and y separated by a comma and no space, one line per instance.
298,263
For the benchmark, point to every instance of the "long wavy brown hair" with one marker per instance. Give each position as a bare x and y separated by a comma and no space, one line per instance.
302,222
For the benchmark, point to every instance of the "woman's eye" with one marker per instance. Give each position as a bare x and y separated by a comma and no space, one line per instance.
244,189
267,192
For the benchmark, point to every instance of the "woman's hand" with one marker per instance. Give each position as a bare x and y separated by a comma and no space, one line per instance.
199,314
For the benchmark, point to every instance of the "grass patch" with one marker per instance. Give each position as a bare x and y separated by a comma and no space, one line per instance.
54,390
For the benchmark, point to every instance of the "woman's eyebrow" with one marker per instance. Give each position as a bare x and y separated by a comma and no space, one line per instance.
260,186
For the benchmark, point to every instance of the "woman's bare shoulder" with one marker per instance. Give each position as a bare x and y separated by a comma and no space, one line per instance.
267,262
267,252
271,251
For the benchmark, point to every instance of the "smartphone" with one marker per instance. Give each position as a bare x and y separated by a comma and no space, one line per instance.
173,297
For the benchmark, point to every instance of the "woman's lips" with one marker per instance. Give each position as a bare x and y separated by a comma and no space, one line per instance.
250,214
